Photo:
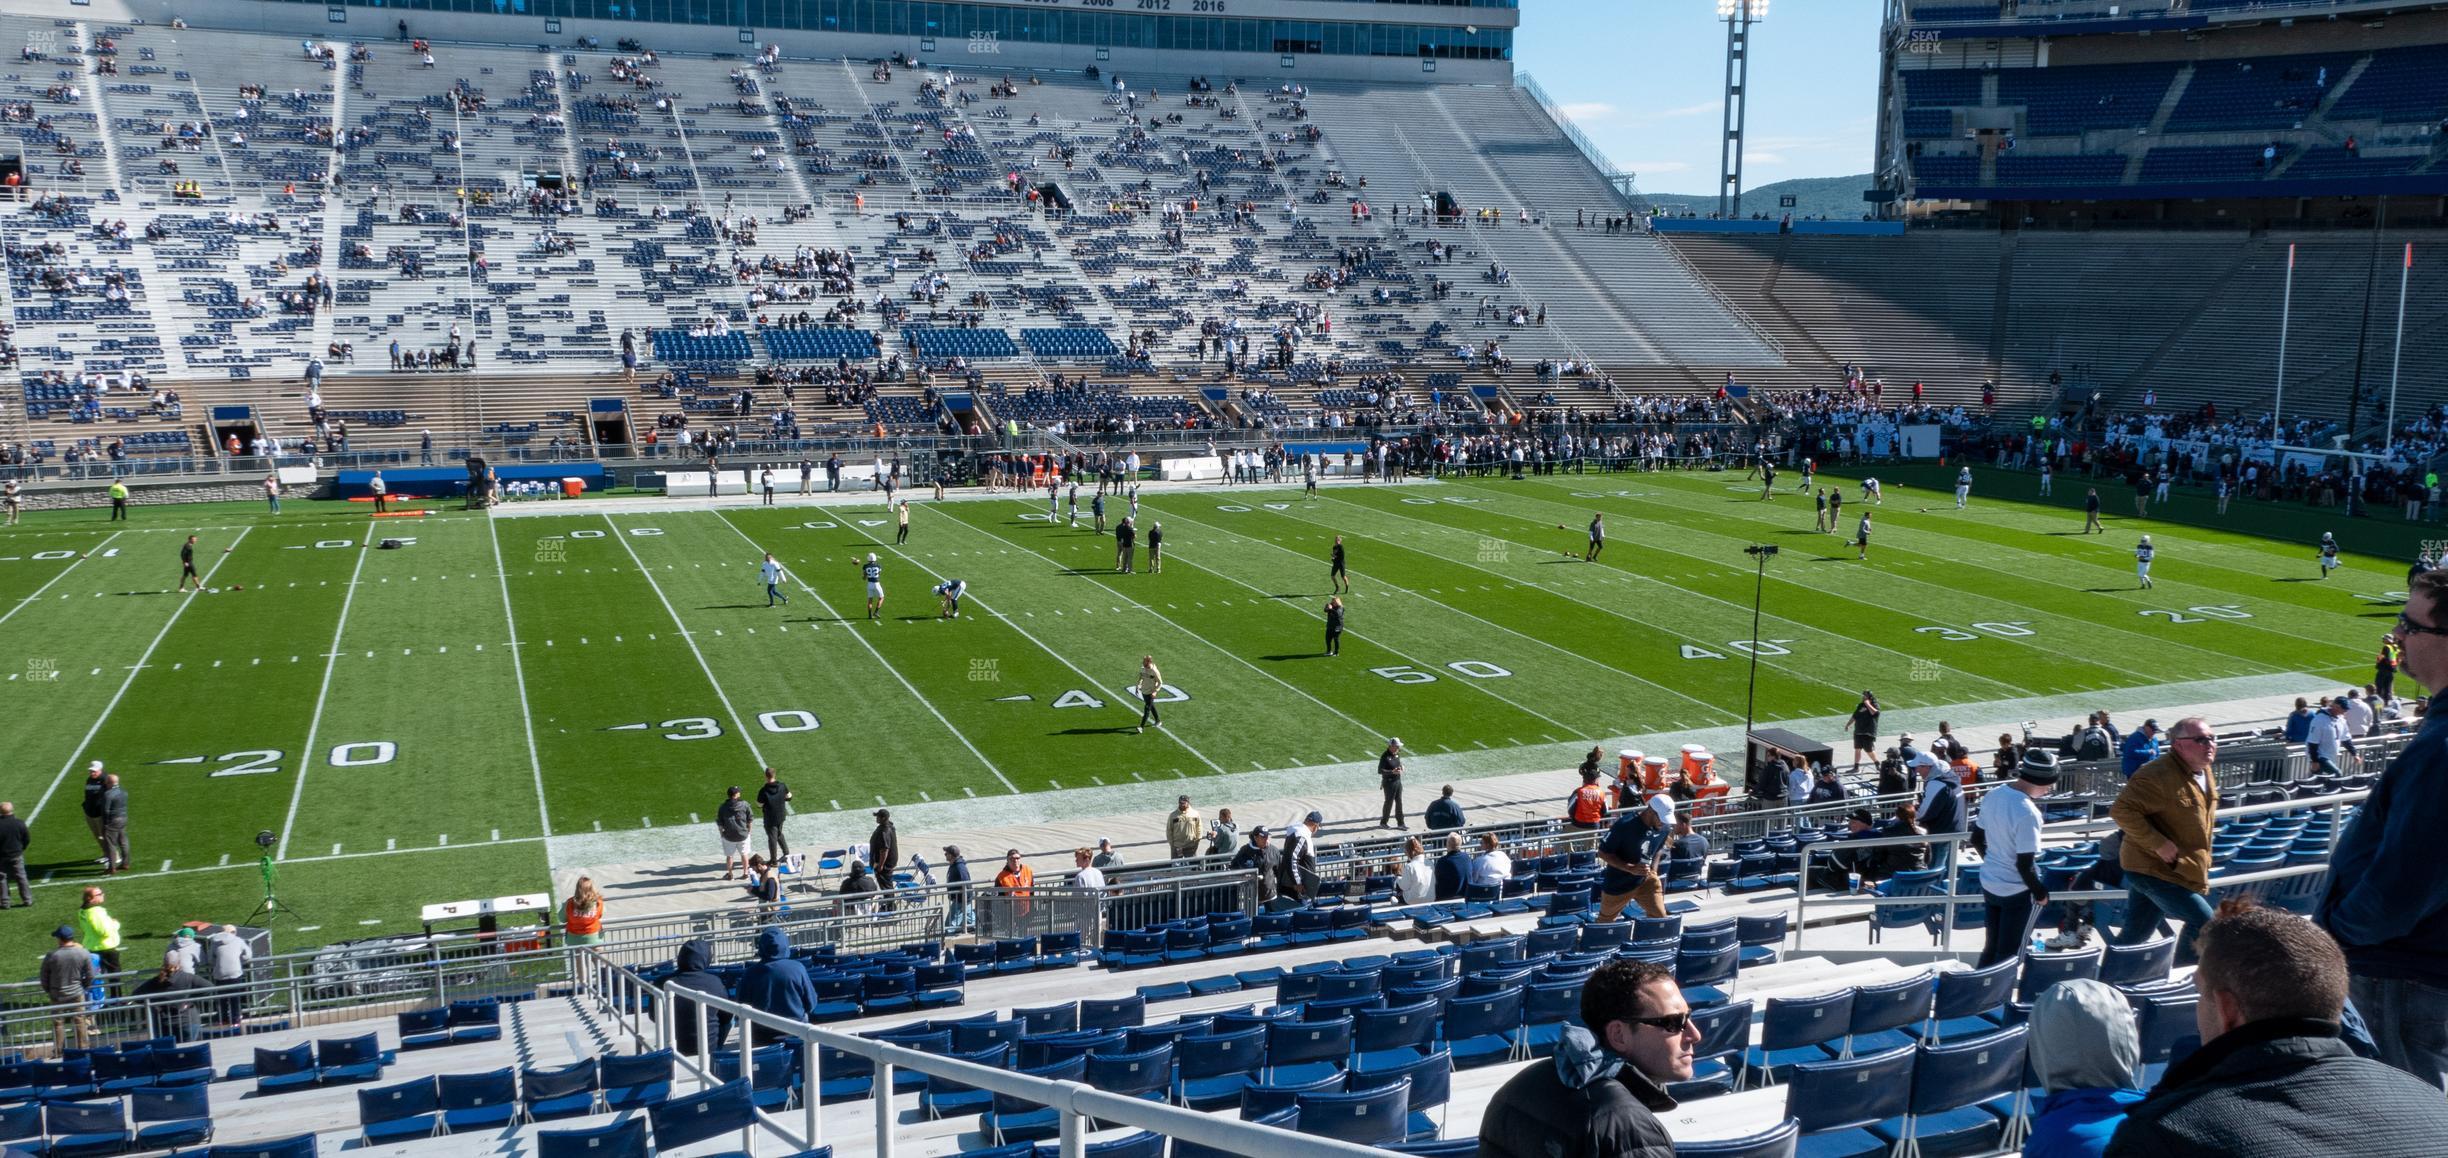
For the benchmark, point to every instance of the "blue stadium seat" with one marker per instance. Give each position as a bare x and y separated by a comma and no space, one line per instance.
564,1092
1366,1117
626,1138
302,1146
1299,1051
478,1101
1969,1000
635,1081
424,1028
395,1113
1835,1101
1262,1099
1882,1013
1431,1081
1482,1030
87,1129
2138,964
1018,1118
171,1118
2041,970
1794,1028
725,1109
1965,1095
1210,1070
944,1097
1777,1141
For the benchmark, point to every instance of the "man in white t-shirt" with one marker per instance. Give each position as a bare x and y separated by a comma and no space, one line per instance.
1492,866
2358,714
1089,877
2011,890
772,574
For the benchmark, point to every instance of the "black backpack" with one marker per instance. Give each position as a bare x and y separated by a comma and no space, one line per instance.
2094,745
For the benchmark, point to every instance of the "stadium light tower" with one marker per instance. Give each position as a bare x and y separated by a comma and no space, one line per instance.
1739,16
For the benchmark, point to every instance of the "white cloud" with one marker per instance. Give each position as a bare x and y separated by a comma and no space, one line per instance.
1651,168
1762,157
1685,111
1587,111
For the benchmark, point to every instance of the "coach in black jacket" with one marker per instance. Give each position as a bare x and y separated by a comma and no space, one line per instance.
1600,1096
2274,1079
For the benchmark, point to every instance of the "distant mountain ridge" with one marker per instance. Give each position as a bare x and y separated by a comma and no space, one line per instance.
1837,198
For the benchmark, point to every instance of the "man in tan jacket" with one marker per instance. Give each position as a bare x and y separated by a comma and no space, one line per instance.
1183,829
2167,813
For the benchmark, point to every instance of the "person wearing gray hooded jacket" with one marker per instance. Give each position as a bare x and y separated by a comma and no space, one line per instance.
1600,1096
2087,1053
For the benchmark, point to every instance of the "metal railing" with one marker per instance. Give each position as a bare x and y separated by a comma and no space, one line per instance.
1617,178
645,1014
1946,898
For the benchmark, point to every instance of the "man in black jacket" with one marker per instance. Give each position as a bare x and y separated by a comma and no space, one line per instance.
773,802
1260,854
14,837
1452,869
1600,1096
884,846
2272,1076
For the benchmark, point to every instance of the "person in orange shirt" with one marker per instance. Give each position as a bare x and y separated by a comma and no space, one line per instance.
582,914
1016,879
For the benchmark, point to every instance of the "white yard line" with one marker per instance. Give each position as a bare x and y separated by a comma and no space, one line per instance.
314,723
38,592
2209,655
879,658
1365,729
1379,642
518,672
133,671
746,737
1093,682
1474,685
1789,669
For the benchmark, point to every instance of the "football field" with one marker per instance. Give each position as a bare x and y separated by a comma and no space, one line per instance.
411,725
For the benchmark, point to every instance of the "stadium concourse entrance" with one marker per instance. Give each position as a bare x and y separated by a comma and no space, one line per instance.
235,425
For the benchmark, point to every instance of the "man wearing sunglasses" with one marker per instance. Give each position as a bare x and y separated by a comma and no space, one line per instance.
2388,885
1600,1095
2167,812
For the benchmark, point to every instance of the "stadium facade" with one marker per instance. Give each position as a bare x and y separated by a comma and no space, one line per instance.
1465,41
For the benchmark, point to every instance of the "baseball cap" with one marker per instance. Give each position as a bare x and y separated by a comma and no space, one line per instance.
951,850
1862,815
1663,806
64,933
2150,725
883,814
96,766
1314,818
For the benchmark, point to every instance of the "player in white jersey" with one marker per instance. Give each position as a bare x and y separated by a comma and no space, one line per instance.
1870,492
950,591
1053,498
873,572
771,572
2328,554
1963,487
1075,502
1134,501
2143,553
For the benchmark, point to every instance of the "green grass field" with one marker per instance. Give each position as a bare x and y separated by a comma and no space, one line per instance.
413,723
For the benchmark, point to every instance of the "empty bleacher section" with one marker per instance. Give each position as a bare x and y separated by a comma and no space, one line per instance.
1975,307
2230,123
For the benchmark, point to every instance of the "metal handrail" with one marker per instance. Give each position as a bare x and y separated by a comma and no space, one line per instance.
645,1011
1949,874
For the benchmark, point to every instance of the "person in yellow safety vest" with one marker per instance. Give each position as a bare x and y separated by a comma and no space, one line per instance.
1586,809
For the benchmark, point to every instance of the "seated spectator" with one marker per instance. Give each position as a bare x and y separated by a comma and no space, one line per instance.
1902,857
1601,1093
2272,1077
776,983
2086,1052
1452,870
691,963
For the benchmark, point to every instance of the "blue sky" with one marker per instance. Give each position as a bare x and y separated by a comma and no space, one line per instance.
1646,80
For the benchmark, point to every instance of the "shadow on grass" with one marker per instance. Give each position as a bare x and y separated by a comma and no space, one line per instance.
1124,730
1298,655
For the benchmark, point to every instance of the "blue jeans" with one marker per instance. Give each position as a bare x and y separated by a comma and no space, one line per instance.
2408,1021
2149,899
